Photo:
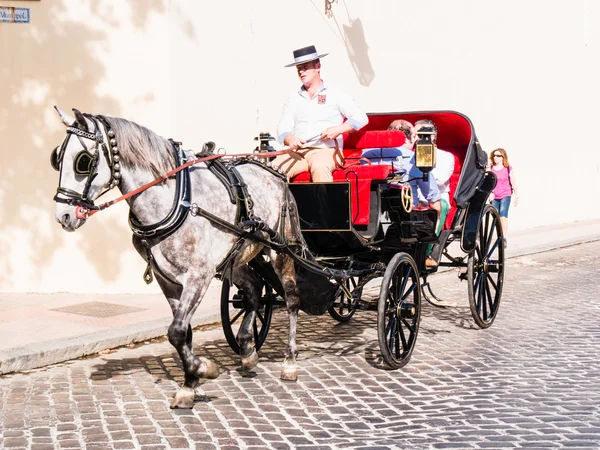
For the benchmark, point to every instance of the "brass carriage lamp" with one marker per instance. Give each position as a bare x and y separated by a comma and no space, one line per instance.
264,138
425,151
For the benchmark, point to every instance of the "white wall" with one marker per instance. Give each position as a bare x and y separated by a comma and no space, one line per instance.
524,72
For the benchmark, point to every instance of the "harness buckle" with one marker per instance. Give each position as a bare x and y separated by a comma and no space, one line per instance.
81,212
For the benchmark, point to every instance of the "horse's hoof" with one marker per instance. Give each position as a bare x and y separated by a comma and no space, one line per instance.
289,373
251,361
208,369
184,399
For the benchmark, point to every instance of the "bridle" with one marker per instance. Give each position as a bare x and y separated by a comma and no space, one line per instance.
86,163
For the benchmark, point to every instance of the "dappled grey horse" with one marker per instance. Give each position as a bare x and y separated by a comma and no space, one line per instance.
184,252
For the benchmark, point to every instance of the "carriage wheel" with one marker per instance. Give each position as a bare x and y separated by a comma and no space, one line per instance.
343,308
235,316
485,269
399,310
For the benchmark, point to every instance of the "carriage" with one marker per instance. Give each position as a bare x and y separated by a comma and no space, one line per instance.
314,245
361,225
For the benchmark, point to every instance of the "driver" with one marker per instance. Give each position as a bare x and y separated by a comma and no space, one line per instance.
314,115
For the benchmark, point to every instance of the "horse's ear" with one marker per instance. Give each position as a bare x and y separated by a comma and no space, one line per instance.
67,119
81,120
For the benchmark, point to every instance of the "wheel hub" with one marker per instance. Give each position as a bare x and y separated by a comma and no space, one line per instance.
406,310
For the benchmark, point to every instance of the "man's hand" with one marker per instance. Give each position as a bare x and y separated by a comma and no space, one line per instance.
293,142
332,132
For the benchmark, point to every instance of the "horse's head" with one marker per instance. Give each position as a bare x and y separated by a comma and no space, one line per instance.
88,163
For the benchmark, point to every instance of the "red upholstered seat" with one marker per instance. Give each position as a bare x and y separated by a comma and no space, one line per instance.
454,135
361,176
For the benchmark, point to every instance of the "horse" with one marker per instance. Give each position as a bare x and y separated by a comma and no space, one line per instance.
100,153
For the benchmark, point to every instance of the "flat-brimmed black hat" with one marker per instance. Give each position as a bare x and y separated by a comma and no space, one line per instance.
304,55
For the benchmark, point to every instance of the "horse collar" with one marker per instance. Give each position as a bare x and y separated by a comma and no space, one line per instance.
179,210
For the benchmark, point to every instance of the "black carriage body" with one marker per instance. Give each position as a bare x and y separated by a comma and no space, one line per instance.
325,218
326,209
357,226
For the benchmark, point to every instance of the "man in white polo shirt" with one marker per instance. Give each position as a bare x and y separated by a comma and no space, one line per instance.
312,121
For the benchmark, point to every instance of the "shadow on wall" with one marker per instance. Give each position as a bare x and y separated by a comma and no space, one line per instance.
356,45
52,62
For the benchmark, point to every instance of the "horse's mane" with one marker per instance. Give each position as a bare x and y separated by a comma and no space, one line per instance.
141,148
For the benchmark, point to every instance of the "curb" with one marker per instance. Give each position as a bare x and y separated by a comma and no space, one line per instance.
52,352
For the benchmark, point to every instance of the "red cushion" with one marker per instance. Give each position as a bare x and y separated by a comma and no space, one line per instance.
352,153
374,139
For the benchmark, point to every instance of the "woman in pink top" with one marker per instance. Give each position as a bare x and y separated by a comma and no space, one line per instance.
506,186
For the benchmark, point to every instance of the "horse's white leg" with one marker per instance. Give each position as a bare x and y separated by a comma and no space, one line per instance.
180,336
284,267
173,294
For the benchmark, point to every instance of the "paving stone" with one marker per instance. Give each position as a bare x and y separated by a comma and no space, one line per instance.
531,380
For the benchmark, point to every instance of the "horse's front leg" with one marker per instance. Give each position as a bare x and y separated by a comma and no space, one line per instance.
284,267
245,279
180,336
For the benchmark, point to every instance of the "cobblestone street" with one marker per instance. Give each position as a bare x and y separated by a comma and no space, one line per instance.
532,380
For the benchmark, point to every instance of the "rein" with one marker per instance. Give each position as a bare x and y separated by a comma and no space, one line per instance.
85,209
87,212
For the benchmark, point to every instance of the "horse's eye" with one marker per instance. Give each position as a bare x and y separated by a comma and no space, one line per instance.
54,160
83,163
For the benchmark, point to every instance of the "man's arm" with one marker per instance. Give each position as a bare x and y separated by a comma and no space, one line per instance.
445,169
334,132
285,128
355,116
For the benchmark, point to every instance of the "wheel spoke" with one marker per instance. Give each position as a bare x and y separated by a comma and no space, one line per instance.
405,281
260,317
492,301
391,300
493,248
255,329
400,333
397,343
479,290
479,254
410,291
491,280
483,289
391,331
237,316
477,282
488,240
410,327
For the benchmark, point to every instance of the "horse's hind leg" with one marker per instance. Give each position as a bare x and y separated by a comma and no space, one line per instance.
247,280
284,267
180,336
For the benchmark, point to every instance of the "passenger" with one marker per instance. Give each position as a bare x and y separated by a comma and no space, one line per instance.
444,168
315,115
403,160
506,186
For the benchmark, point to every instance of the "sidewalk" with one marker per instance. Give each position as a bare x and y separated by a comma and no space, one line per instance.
41,329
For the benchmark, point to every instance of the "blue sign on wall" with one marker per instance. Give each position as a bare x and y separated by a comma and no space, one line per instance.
14,15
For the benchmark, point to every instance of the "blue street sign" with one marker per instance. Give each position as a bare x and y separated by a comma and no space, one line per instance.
14,15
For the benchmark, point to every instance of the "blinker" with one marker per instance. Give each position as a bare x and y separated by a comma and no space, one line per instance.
54,159
83,163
